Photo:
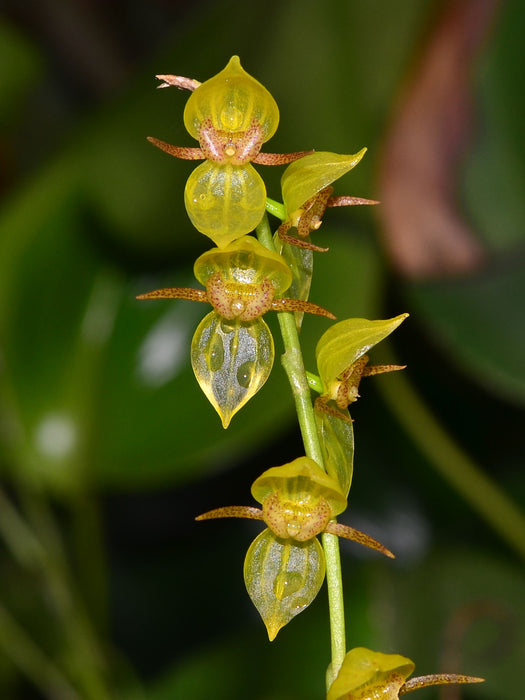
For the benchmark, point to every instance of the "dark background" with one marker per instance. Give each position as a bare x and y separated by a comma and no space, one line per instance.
108,449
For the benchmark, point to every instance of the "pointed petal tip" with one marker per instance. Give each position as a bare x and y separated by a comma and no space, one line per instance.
272,632
225,419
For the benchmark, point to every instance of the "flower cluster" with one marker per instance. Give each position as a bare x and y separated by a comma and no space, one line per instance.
231,116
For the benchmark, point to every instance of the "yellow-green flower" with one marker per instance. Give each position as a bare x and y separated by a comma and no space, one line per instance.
232,350
231,115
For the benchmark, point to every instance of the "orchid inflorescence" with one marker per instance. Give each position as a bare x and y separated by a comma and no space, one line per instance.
232,115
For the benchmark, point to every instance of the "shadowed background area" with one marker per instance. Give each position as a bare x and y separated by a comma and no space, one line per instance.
108,449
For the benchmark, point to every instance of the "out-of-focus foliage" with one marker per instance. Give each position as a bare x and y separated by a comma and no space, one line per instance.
98,404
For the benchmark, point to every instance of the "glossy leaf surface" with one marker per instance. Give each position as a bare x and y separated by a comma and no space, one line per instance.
336,438
232,100
309,175
231,361
370,675
282,577
224,202
345,342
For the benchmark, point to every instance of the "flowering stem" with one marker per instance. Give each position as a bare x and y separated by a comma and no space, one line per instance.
293,364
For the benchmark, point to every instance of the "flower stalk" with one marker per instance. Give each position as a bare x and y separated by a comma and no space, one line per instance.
292,361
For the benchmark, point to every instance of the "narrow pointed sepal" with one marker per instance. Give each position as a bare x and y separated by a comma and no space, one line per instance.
232,512
298,242
350,533
282,577
346,201
231,361
176,293
279,158
178,81
323,404
437,679
183,152
300,305
371,370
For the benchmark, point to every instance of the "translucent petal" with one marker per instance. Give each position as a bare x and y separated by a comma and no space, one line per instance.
370,675
231,361
298,479
282,578
307,176
224,202
345,342
232,100
245,261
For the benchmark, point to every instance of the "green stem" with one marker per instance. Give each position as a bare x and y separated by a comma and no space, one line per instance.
275,208
293,364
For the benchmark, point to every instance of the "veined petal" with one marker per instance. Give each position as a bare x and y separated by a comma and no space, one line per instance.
282,578
225,202
244,261
231,361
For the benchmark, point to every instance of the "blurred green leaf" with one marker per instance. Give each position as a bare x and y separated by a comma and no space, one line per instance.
494,170
478,321
20,67
463,607
109,394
